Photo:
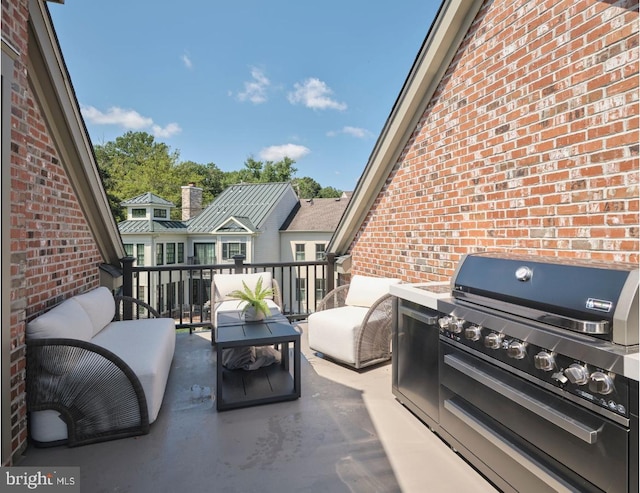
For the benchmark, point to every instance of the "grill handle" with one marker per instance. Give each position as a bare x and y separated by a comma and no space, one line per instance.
555,483
577,429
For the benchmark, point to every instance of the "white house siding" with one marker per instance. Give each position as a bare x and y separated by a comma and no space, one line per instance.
267,243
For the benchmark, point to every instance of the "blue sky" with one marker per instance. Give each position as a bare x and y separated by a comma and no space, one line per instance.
223,81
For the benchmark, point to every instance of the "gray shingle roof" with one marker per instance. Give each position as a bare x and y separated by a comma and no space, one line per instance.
147,198
140,226
316,215
248,203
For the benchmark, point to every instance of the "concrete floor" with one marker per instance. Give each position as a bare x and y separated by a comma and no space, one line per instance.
347,433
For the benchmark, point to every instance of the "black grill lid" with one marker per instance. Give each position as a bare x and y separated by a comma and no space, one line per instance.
567,288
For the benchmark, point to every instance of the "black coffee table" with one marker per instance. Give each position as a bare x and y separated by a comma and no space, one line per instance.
273,383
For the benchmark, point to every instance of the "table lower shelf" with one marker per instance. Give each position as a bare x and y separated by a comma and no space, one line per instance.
241,388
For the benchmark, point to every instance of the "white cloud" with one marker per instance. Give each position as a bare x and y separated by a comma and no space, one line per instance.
277,153
313,93
128,119
357,132
256,89
186,59
166,132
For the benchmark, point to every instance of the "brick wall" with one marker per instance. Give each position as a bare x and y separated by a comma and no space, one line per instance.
53,254
529,145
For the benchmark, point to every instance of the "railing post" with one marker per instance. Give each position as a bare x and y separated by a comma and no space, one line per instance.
331,271
239,263
127,286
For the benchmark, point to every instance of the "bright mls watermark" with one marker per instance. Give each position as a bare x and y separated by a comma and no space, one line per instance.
50,479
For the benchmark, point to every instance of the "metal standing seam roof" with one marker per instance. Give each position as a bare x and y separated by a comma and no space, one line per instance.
132,226
249,203
147,198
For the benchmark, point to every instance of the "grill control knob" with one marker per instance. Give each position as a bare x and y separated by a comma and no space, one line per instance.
473,332
456,326
600,383
444,322
516,350
544,361
493,341
577,374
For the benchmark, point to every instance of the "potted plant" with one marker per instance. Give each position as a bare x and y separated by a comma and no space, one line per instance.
255,308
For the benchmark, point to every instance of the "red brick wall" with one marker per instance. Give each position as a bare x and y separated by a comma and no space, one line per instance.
53,254
529,145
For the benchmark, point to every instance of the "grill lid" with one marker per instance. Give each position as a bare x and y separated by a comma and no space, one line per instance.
582,296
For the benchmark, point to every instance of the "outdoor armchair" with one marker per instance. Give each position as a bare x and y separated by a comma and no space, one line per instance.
353,323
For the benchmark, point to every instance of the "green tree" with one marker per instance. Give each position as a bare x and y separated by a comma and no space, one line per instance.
208,177
136,164
306,187
329,192
280,171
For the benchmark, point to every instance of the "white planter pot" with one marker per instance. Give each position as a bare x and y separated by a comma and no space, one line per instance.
252,315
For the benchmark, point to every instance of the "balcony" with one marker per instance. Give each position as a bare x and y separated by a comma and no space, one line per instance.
346,433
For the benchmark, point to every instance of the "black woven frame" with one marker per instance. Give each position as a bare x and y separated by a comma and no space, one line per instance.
97,394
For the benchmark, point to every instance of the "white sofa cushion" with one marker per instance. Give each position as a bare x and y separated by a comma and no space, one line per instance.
233,305
227,283
99,305
333,332
147,346
66,320
365,291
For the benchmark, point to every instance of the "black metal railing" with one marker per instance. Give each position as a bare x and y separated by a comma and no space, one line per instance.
183,292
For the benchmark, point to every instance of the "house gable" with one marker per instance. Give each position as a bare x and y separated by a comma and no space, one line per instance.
528,144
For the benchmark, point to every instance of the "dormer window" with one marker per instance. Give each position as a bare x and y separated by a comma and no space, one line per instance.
138,213
160,213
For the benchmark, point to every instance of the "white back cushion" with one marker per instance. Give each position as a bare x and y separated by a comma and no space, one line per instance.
99,305
365,291
67,320
227,283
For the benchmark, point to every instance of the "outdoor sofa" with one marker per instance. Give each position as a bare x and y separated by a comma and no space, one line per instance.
92,377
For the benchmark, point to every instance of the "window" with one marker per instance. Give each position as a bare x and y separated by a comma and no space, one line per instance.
231,249
140,254
128,249
171,253
299,251
321,289
162,213
138,213
181,253
301,289
171,296
142,294
204,253
160,254
320,248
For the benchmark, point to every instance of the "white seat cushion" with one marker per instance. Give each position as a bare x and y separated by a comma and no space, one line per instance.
365,291
67,320
99,305
147,346
234,306
227,283
333,332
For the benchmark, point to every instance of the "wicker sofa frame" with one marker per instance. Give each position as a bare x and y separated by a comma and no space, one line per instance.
373,337
96,393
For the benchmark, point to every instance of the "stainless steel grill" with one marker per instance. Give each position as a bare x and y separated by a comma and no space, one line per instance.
539,372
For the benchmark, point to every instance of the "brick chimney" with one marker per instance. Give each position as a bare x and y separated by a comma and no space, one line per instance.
191,201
